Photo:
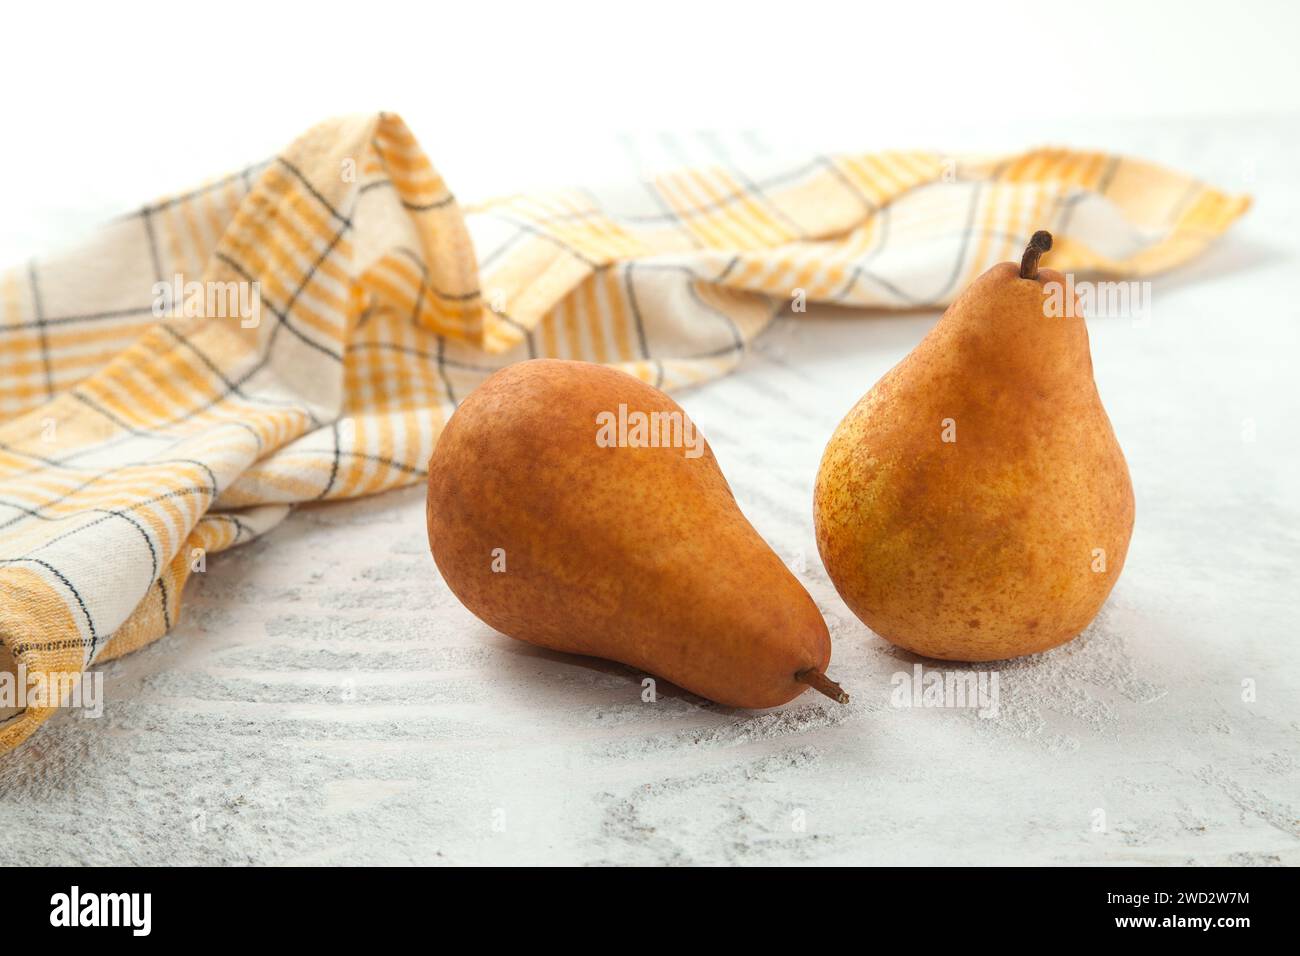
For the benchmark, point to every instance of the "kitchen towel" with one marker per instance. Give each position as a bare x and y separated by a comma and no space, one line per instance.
300,331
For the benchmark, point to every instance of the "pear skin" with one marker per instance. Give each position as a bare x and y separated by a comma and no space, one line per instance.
975,504
634,554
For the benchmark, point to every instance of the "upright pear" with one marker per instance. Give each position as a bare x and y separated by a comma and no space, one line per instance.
975,504
574,507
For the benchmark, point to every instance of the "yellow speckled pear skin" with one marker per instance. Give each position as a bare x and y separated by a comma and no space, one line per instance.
634,554
975,504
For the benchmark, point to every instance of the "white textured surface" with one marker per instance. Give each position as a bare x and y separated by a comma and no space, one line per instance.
234,740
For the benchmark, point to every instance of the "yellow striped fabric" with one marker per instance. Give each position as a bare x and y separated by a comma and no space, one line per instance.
345,302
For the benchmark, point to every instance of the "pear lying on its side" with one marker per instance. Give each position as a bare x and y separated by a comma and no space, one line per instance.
554,519
975,505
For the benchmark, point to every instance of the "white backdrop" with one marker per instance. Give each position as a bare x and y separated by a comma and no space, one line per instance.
107,106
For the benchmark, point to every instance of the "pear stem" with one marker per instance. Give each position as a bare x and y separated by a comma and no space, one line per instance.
1039,243
823,685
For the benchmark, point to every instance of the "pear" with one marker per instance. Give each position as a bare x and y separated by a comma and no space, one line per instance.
975,504
574,507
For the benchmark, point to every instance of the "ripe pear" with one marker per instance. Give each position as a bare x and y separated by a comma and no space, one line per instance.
975,504
574,507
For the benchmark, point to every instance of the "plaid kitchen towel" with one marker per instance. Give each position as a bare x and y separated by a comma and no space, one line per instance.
301,330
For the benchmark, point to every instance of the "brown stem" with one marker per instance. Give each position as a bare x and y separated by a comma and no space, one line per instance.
823,685
1039,243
